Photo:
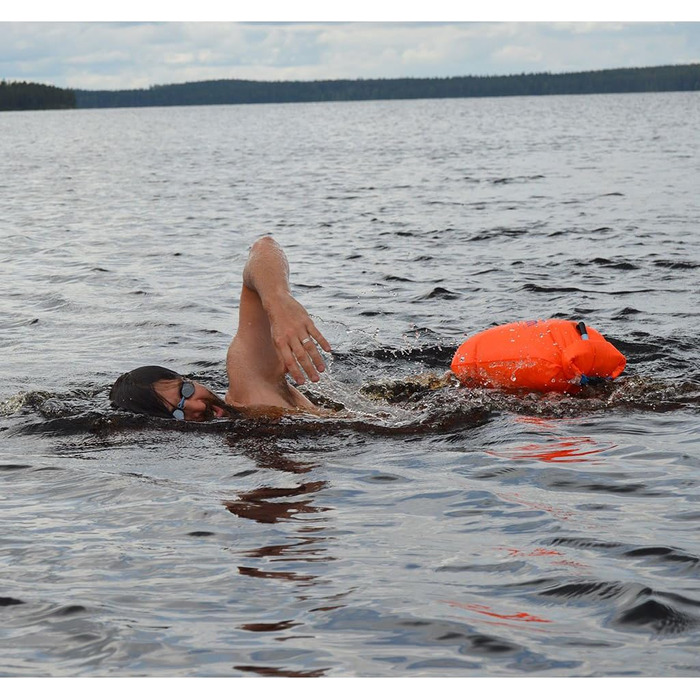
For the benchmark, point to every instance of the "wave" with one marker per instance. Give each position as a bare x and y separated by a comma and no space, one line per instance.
418,405
635,607
640,607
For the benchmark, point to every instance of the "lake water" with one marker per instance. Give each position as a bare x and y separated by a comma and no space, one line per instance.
445,532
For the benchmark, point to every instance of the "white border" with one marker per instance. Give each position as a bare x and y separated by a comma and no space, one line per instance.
358,11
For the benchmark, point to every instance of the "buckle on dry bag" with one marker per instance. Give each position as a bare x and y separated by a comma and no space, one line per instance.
593,381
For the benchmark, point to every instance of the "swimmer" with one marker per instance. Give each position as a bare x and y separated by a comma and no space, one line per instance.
275,337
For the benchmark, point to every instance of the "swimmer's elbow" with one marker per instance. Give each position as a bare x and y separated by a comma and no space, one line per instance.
266,262
264,243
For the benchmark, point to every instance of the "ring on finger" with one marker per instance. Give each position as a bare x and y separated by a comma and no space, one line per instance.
306,340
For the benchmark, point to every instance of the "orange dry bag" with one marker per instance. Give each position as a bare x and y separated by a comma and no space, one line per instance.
552,355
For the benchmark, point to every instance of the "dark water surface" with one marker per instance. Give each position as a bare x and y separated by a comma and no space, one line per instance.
423,532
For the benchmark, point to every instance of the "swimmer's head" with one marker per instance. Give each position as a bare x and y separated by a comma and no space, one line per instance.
157,391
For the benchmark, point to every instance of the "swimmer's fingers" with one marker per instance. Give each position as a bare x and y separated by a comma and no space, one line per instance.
295,336
308,356
300,359
309,345
289,357
318,337
313,353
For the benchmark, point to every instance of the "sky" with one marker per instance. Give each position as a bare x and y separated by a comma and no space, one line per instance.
147,43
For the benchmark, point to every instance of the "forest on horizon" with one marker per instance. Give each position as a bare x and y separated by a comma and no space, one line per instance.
686,77
17,96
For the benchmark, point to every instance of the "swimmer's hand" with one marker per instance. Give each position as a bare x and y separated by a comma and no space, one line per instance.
295,337
293,333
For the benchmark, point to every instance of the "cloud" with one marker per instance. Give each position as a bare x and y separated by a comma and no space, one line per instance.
113,55
526,56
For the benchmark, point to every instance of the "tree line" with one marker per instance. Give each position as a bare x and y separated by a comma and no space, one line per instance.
21,96
656,79
15,95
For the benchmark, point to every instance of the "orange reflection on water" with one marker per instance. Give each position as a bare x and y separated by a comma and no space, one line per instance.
486,610
565,450
558,513
543,552
537,552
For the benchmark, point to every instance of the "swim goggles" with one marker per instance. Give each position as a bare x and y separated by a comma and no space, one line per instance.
186,390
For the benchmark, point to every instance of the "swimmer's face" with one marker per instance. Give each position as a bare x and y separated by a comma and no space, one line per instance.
203,405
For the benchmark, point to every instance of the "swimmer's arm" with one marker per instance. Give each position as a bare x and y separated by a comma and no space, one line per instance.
267,275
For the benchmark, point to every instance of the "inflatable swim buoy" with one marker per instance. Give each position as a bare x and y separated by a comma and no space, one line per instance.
553,355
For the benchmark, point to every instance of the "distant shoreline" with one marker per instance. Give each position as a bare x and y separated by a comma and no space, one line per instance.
23,96
670,78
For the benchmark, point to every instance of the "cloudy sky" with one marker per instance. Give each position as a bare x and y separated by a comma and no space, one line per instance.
158,46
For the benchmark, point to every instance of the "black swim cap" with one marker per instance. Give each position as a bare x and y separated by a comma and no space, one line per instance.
134,391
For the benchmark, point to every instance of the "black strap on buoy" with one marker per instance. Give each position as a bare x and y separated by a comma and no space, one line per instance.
581,328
